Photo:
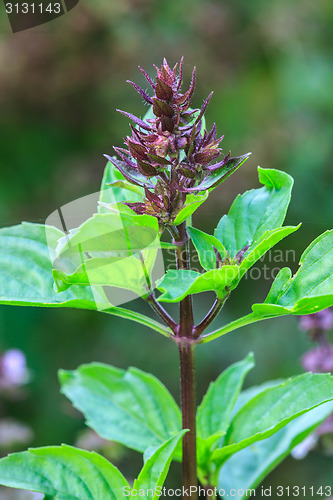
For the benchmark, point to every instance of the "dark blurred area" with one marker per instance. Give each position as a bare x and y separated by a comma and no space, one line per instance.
270,65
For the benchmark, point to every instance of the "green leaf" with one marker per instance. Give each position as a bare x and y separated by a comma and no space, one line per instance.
230,327
63,473
207,471
105,251
247,468
213,414
116,192
123,184
26,270
115,234
192,203
120,273
279,285
265,243
149,114
309,291
115,208
253,391
313,279
256,211
26,276
156,468
130,407
177,284
274,408
204,244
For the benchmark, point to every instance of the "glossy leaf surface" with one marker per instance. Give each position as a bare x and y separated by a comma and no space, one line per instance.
63,473
258,248
110,234
105,251
247,468
120,273
309,291
156,468
313,279
214,412
192,203
26,270
177,284
130,407
26,275
204,244
256,211
274,408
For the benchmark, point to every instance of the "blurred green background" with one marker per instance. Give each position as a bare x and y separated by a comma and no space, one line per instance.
270,65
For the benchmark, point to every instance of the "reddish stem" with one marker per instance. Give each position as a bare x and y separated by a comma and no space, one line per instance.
186,345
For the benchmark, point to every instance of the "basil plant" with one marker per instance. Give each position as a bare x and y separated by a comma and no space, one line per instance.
151,187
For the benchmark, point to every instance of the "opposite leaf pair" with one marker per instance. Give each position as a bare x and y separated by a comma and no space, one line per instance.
251,228
256,429
242,237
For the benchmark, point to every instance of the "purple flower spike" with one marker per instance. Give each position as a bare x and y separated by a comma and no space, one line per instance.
170,155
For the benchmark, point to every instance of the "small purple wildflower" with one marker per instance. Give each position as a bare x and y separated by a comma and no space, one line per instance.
13,369
326,427
319,359
322,320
